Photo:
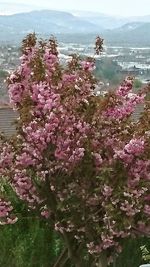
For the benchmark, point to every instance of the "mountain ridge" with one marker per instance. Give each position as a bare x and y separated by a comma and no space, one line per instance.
46,22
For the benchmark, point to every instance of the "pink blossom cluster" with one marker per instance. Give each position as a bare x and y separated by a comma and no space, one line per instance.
140,170
87,65
25,189
127,101
135,147
44,97
6,158
126,108
125,88
5,213
18,81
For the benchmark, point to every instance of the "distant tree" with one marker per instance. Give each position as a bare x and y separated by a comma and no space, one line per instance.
137,84
108,70
3,74
77,159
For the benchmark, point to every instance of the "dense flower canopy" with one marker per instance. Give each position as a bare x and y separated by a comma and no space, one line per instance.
77,158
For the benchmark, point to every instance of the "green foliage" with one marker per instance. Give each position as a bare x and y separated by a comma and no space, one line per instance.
145,253
108,70
137,84
3,73
29,243
132,255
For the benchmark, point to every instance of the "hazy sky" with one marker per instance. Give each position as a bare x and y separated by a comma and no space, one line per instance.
114,7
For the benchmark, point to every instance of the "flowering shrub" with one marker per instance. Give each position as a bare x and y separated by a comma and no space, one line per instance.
78,159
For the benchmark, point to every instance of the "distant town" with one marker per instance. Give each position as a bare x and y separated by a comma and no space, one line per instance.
113,64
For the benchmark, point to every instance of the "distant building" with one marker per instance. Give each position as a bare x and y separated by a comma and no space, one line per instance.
7,120
132,71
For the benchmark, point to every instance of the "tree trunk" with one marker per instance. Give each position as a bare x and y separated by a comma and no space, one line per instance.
102,260
62,259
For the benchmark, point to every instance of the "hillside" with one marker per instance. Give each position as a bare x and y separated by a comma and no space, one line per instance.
103,20
76,26
45,22
108,21
134,33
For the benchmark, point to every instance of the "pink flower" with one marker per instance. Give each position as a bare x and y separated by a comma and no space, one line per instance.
87,65
135,146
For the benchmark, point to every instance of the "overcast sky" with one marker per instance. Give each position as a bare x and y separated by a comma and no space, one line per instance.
114,7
